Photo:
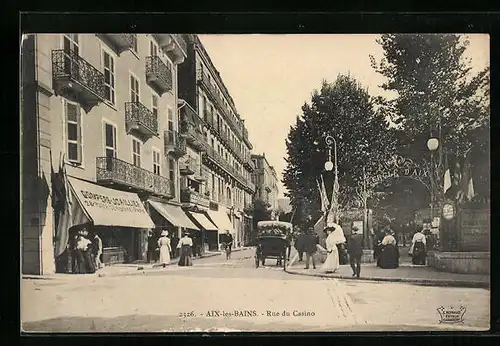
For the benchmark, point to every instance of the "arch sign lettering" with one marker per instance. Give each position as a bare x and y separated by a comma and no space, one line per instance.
399,167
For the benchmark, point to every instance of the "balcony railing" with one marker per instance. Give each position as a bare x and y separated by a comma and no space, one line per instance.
139,118
122,42
110,170
174,143
72,72
191,128
158,74
193,197
189,166
182,43
218,159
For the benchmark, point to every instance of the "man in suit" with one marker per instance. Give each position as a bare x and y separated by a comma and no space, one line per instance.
299,245
355,250
309,247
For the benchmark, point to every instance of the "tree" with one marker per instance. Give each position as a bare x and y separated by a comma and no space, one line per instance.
437,95
344,110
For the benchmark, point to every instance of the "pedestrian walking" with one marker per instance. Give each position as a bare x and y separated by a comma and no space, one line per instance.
97,249
84,261
355,251
299,245
389,256
418,248
165,248
335,236
310,247
185,245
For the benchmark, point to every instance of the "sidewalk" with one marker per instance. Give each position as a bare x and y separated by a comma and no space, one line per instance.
406,273
116,270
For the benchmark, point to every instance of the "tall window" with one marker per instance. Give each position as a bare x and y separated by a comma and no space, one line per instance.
171,170
153,49
213,143
109,77
74,132
170,119
134,89
136,152
156,162
213,185
71,46
110,140
154,105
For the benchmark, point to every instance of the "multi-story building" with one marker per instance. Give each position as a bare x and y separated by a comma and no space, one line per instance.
226,164
266,182
105,107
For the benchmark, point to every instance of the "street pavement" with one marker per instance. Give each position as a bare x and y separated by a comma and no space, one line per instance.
232,295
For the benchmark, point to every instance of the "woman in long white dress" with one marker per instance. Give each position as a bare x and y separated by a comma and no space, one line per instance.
165,248
335,236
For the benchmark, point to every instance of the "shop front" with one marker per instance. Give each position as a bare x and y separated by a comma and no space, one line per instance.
209,232
223,223
172,217
117,217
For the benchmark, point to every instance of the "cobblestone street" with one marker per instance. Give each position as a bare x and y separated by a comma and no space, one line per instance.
220,295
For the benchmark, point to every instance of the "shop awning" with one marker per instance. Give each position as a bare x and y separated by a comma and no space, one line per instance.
175,215
108,207
203,221
222,221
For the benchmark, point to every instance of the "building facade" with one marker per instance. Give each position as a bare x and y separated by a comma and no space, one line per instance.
104,106
266,182
226,164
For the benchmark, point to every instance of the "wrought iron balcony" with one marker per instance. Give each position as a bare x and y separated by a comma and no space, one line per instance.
122,42
248,163
158,74
188,166
110,171
74,75
139,118
193,135
194,198
174,144
174,45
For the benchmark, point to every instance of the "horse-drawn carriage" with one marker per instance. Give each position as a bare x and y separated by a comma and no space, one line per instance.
272,242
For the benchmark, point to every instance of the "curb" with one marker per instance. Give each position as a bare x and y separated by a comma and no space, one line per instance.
142,270
131,271
413,281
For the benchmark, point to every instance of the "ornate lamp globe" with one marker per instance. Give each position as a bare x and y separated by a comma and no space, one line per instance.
328,165
432,144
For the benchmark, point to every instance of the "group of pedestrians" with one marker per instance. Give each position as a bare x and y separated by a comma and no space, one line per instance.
86,249
308,243
184,245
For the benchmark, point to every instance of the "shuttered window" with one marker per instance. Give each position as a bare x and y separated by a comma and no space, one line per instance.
73,132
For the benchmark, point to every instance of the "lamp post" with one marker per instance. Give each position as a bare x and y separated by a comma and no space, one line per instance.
432,145
329,165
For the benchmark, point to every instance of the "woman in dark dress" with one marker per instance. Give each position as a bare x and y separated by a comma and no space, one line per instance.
185,245
389,255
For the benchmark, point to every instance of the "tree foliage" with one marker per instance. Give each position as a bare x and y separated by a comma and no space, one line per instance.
436,95
344,110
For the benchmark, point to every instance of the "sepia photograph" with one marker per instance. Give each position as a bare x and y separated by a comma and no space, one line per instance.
186,183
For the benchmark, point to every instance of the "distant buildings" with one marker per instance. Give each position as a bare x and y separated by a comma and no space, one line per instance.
266,182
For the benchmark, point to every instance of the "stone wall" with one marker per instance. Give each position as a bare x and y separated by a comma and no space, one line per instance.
460,262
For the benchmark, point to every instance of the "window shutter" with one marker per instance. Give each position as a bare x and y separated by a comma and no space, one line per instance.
79,121
114,141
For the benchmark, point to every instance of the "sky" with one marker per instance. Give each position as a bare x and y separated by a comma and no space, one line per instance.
270,77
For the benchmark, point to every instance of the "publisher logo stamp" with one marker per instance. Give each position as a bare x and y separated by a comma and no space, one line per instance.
451,315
